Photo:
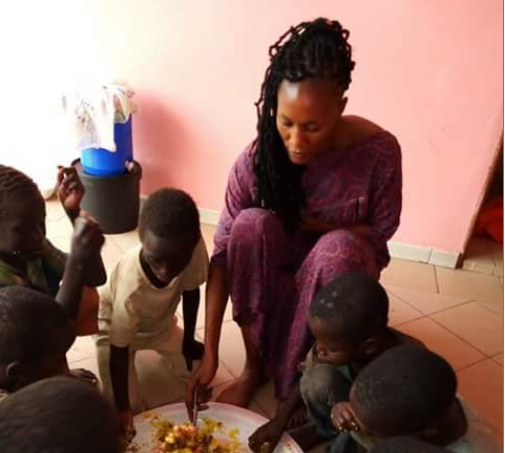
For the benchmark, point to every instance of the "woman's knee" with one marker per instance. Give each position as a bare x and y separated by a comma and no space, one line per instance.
341,251
255,221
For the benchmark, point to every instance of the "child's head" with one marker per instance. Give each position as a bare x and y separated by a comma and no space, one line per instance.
58,415
347,316
35,335
169,231
405,445
22,215
407,391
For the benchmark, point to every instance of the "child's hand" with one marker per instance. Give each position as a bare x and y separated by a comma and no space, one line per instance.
266,437
192,350
70,191
343,418
126,426
87,240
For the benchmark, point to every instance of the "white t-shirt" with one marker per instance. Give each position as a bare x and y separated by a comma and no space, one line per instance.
479,437
133,311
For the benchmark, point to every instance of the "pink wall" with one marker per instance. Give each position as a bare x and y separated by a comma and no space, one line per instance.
428,70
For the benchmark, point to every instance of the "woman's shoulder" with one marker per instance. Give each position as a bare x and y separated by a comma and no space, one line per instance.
362,131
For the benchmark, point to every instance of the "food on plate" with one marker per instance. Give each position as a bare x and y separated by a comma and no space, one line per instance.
207,437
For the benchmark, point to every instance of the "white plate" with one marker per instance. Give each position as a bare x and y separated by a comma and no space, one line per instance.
231,416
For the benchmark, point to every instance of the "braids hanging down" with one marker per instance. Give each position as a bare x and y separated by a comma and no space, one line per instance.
309,50
13,183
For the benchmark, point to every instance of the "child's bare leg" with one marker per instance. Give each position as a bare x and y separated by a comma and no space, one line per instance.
240,393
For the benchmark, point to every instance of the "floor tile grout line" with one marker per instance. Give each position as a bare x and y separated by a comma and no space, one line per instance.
436,278
472,364
459,304
488,309
463,340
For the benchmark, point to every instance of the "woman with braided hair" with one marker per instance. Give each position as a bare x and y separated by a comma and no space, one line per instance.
316,194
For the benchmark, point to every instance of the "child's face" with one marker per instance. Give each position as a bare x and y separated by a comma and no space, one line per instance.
330,347
22,226
166,259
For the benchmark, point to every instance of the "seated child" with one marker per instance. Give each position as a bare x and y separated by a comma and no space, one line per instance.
139,302
28,258
349,319
410,391
405,445
58,415
35,335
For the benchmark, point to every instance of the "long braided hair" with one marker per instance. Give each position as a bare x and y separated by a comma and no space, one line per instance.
14,183
313,49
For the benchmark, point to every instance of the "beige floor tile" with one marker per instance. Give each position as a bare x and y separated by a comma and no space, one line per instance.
126,241
61,242
208,232
409,274
60,229
253,406
265,399
54,210
495,306
476,325
499,358
501,281
498,271
458,353
426,303
88,364
76,355
85,344
231,348
200,321
455,282
482,385
223,374
401,312
83,348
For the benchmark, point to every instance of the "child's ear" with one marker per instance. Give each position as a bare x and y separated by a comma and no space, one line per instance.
14,375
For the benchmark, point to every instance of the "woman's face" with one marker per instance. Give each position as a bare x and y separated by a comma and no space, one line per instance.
308,114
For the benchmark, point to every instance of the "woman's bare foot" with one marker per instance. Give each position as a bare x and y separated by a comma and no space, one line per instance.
306,436
241,392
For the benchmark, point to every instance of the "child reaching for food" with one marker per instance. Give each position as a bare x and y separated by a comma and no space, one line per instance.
28,258
139,302
410,391
349,319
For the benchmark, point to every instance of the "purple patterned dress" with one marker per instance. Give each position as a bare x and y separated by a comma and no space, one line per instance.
273,276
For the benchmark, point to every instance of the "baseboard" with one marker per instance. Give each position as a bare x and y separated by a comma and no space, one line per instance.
410,252
209,216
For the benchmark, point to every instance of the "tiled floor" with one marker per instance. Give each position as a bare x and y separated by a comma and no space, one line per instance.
457,313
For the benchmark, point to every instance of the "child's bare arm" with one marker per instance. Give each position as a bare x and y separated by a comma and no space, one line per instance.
86,243
266,437
71,193
118,364
192,349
